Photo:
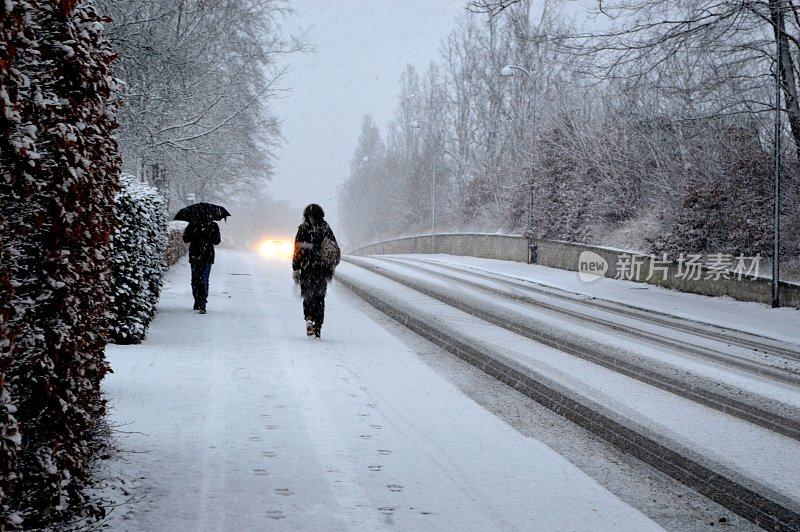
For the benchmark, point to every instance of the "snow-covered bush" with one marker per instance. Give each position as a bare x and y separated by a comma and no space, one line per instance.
726,212
137,260
176,247
59,167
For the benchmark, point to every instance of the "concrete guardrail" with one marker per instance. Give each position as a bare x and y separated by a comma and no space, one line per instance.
736,281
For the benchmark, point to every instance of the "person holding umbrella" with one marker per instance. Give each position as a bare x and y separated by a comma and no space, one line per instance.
202,234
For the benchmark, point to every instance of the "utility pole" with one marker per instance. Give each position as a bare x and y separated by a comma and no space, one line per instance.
433,200
776,156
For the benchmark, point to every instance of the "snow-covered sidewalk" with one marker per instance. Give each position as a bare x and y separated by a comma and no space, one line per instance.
236,421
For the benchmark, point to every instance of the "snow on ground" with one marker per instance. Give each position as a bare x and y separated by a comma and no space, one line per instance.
751,451
569,327
756,318
235,420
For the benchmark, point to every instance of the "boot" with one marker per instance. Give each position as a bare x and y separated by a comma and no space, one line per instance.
310,328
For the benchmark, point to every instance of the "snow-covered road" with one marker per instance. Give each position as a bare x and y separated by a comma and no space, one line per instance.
706,416
236,421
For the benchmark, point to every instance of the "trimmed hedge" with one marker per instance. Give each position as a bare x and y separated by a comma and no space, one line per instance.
176,247
138,260
59,168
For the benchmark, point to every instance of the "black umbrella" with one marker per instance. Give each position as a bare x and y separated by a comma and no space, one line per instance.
202,212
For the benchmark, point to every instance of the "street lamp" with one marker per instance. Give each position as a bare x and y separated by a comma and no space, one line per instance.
365,159
416,124
776,179
507,72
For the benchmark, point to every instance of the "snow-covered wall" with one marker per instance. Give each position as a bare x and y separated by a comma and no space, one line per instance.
484,245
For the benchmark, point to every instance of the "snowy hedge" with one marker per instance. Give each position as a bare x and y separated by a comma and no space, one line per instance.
137,260
59,168
176,247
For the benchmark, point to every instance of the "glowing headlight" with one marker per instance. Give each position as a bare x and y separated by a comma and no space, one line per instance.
275,248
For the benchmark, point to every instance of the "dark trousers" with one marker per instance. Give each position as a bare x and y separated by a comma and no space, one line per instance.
313,292
200,274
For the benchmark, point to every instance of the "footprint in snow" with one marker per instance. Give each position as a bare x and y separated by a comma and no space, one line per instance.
270,427
396,488
365,437
376,427
384,452
261,472
275,514
387,510
375,468
269,454
254,438
285,492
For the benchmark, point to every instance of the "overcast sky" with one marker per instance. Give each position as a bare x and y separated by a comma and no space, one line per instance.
361,47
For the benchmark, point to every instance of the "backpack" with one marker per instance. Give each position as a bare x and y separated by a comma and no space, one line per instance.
329,252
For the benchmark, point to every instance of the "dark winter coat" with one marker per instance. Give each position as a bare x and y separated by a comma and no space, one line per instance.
202,238
310,235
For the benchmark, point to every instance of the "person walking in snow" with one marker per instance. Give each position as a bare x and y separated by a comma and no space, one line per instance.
202,236
316,255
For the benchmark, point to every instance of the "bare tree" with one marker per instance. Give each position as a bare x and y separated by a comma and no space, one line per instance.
652,134
199,77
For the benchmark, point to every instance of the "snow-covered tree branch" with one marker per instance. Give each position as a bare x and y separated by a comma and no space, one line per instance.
628,135
199,80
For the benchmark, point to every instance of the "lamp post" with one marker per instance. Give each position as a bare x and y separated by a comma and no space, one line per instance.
509,71
382,226
776,170
416,124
